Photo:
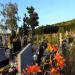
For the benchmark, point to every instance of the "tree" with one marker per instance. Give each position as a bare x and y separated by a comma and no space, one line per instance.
48,29
21,31
32,19
25,26
9,12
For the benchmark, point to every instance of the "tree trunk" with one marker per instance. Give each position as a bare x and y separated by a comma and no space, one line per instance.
32,40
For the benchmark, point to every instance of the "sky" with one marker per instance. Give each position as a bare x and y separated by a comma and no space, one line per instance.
49,11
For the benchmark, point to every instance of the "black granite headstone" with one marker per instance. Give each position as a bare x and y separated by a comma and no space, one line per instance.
3,60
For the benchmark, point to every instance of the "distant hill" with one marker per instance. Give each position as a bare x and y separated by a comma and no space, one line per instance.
66,23
54,28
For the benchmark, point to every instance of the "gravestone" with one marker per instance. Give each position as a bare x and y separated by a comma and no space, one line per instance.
2,54
3,60
25,58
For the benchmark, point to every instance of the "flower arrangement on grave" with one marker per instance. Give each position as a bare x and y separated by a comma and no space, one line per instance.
52,60
33,69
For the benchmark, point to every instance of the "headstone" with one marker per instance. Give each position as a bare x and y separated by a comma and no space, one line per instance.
25,58
2,54
3,60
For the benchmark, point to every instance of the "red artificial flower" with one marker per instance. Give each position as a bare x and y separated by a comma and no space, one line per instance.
29,69
16,67
22,73
36,68
33,68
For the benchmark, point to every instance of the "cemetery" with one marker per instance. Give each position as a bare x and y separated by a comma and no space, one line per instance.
37,37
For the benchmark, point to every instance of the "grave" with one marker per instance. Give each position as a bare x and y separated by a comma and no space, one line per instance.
25,58
3,60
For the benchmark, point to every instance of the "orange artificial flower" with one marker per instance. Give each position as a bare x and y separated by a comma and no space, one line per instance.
61,63
58,56
50,48
53,70
55,48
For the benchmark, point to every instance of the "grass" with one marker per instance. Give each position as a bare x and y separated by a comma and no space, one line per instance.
51,38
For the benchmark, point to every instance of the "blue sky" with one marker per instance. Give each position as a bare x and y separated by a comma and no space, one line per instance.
49,11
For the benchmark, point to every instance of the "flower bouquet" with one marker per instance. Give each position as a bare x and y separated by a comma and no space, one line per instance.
52,61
